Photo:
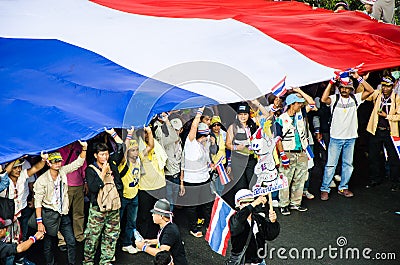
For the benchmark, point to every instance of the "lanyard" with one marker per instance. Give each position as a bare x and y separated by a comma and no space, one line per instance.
159,234
384,103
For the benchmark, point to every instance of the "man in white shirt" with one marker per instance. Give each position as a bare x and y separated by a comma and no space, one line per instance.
18,190
343,132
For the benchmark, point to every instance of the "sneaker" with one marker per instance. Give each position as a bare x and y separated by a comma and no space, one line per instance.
298,208
275,203
285,210
113,259
130,249
196,234
372,184
28,262
332,185
338,178
395,187
346,193
324,195
63,248
308,195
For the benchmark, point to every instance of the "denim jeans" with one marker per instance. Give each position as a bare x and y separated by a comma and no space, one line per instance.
337,146
172,189
130,206
50,242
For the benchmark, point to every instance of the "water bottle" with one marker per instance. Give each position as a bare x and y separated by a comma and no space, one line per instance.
137,235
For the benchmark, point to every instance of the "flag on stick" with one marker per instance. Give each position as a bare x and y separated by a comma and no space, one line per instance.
279,89
218,232
223,176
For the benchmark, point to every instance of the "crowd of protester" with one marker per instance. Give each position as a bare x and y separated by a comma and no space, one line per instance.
381,10
134,179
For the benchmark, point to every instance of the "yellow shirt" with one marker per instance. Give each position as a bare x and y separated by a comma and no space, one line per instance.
153,177
131,179
221,149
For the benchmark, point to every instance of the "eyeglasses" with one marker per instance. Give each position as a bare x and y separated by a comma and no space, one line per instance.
56,161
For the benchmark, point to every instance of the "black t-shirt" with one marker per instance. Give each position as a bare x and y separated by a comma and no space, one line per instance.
7,250
385,107
171,236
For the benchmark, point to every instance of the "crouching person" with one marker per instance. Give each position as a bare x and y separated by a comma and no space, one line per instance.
250,230
169,237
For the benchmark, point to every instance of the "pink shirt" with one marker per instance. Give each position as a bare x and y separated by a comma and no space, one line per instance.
76,177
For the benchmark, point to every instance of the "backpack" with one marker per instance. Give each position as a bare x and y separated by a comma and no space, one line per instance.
336,102
108,197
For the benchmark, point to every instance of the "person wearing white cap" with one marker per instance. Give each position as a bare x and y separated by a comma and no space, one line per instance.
368,5
195,181
169,237
167,134
250,230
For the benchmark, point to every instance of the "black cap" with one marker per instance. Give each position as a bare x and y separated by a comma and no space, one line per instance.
243,108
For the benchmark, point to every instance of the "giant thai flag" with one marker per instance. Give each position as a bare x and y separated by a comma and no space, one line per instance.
218,233
70,67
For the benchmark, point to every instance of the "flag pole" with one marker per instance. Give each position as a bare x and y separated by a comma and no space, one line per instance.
271,208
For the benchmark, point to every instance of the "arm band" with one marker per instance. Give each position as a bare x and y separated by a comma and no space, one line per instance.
144,247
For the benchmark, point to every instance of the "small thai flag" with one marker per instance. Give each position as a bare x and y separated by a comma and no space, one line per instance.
396,142
309,153
279,89
345,75
218,232
223,176
322,143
